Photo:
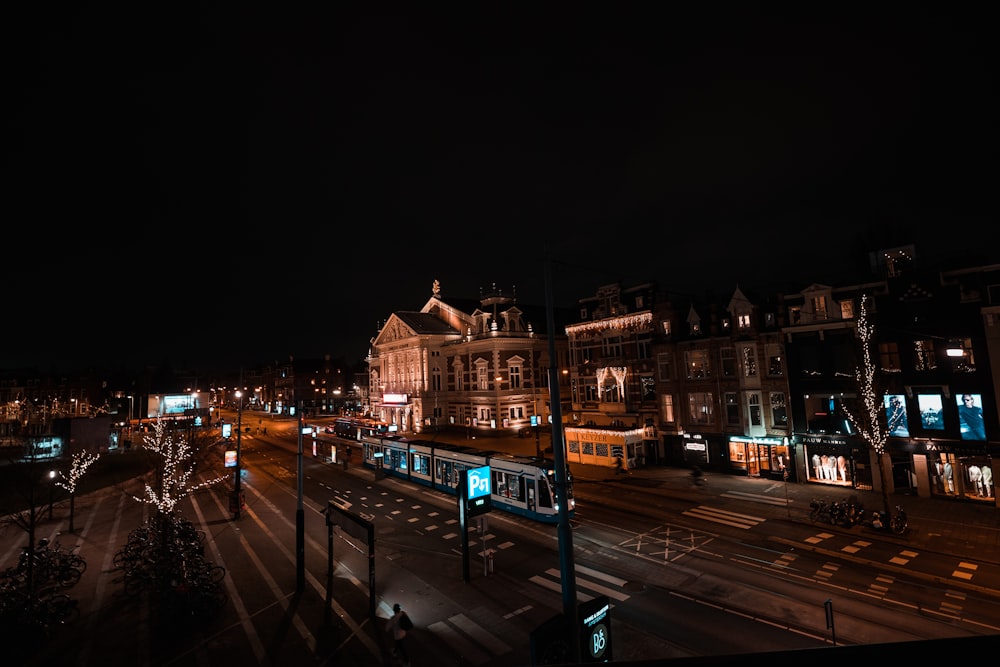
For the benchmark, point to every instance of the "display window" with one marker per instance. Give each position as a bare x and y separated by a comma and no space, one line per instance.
826,466
956,476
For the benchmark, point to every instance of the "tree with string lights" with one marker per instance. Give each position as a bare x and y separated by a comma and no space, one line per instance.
174,471
173,560
872,421
78,467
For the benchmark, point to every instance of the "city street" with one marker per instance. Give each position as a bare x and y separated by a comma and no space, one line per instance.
485,621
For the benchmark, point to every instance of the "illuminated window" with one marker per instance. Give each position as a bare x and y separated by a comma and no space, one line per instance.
847,309
697,364
700,408
818,307
668,409
514,372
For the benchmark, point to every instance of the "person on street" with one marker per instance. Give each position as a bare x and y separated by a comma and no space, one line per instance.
395,629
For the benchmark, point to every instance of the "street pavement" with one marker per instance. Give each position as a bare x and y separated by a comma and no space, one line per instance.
279,616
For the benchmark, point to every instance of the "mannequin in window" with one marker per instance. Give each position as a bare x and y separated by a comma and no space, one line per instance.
987,481
976,479
831,468
949,483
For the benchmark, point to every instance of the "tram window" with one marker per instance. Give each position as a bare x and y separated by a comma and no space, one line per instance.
421,464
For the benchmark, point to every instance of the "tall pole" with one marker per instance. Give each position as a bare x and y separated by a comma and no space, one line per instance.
238,486
566,564
300,521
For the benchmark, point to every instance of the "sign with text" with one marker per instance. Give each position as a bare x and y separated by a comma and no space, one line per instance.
478,490
595,629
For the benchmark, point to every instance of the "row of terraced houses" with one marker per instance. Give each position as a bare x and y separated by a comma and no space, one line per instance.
751,384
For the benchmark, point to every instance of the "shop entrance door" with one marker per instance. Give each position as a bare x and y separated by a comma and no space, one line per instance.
753,459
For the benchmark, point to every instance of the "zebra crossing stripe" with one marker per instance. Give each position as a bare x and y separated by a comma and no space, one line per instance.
556,587
744,521
590,586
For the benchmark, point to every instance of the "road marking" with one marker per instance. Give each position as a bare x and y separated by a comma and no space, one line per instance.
590,586
755,497
725,517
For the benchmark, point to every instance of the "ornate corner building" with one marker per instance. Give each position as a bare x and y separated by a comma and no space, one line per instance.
482,365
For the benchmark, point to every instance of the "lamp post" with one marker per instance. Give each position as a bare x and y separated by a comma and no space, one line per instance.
52,490
498,379
237,489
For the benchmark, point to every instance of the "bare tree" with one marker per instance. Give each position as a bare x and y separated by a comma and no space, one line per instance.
174,472
871,420
78,467
29,479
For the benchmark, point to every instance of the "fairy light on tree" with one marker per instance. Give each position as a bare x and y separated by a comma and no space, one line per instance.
78,467
175,471
872,422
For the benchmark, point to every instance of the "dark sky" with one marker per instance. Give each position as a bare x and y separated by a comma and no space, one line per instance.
227,188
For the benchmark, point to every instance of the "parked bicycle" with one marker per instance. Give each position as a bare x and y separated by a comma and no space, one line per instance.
897,523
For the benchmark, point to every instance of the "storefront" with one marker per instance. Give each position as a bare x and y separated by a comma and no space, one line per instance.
960,472
694,448
396,410
761,457
610,447
835,460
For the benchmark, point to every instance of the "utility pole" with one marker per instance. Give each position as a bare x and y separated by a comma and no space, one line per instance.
300,520
567,565
238,486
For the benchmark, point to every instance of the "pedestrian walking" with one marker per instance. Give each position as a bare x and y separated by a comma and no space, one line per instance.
398,627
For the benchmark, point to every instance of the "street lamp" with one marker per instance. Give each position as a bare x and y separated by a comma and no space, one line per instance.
52,490
498,380
237,503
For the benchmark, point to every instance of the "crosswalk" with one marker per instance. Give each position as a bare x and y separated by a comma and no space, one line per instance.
553,581
479,646
473,642
725,517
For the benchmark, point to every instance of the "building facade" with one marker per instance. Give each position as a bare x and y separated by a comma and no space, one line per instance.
480,365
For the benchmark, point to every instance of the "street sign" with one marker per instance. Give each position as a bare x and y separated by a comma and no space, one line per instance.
478,491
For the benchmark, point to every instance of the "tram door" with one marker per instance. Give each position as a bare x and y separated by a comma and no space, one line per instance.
531,494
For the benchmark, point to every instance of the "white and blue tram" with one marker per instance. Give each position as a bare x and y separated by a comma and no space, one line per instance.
519,485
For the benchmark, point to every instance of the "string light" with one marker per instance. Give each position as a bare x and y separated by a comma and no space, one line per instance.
81,461
869,424
178,466
623,322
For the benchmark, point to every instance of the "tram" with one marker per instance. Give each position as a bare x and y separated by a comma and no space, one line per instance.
518,485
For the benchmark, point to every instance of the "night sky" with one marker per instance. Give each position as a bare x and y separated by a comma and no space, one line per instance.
228,188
